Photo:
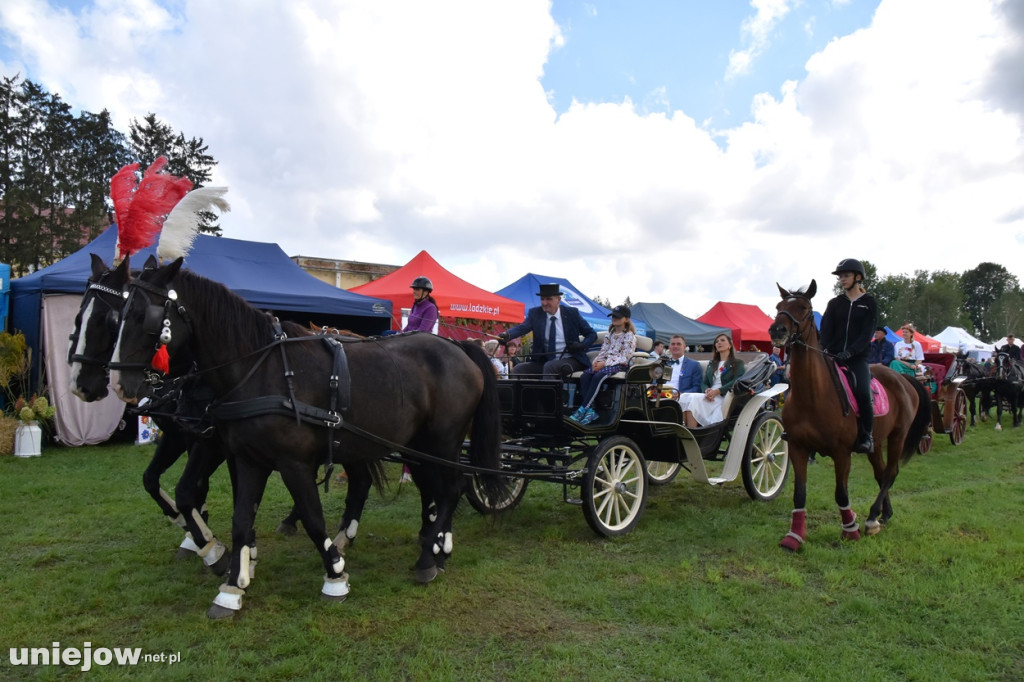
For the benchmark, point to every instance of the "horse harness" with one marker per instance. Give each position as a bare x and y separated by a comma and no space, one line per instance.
113,300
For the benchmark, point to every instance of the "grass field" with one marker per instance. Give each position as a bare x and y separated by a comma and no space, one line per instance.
700,590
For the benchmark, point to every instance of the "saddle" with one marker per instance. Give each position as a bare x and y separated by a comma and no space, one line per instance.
879,396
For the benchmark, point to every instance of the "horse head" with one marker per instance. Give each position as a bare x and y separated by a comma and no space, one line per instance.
150,314
92,341
794,320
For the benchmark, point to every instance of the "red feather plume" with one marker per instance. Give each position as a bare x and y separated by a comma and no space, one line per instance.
141,210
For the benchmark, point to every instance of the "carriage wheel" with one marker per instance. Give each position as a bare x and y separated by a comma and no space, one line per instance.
479,500
766,458
926,442
662,473
959,426
614,486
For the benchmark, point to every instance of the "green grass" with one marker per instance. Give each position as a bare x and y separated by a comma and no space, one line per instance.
699,590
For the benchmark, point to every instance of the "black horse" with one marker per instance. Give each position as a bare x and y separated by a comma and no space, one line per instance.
290,401
176,411
92,343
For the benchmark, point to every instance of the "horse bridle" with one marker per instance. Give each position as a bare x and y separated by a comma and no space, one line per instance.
795,332
156,323
113,300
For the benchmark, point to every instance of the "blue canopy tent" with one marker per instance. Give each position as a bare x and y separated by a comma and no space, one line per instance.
662,322
259,272
526,288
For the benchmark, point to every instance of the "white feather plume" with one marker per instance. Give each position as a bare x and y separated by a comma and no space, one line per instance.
182,222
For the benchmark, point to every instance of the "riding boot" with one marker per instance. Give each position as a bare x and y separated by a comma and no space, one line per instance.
865,441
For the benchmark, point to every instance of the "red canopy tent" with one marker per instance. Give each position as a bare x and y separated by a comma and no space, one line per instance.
455,297
749,324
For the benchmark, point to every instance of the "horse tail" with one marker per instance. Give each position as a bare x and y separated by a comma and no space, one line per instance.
922,419
485,435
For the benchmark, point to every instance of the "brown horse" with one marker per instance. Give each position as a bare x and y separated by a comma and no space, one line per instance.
815,418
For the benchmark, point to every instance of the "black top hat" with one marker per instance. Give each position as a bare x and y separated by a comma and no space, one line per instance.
549,290
620,311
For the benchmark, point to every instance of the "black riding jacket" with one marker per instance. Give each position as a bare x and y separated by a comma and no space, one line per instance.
849,325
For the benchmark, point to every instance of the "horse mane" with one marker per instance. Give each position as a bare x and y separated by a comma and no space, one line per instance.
227,306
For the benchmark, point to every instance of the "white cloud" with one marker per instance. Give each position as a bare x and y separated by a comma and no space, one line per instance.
370,131
756,33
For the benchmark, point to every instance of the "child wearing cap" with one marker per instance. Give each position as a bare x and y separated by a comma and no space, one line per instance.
616,352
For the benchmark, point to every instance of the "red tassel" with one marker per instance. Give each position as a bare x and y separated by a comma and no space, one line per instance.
162,360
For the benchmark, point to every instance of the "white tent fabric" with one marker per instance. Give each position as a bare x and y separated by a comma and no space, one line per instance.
77,422
953,337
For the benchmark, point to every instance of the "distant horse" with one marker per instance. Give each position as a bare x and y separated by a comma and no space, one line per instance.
816,419
290,401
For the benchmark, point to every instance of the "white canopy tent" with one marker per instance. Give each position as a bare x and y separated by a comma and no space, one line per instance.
956,339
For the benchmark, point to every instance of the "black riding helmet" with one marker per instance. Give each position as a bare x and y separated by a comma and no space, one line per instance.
422,283
850,265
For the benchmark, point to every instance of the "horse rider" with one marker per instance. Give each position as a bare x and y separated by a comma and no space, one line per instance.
847,326
423,315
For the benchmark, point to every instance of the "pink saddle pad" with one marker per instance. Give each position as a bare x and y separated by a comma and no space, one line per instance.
879,398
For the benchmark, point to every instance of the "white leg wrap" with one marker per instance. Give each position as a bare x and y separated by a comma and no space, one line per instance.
339,565
178,521
252,562
189,544
352,529
447,543
229,597
212,552
170,503
198,518
243,568
336,587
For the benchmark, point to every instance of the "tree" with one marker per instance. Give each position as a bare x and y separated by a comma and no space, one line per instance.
981,287
1007,313
186,157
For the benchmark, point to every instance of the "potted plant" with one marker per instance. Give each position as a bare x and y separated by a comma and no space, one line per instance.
28,439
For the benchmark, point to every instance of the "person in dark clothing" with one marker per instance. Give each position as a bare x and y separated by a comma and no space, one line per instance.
847,326
1011,349
880,350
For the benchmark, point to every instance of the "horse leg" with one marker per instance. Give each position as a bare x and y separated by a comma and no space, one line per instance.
203,459
302,486
170,447
359,482
794,539
444,544
848,517
249,481
885,478
439,495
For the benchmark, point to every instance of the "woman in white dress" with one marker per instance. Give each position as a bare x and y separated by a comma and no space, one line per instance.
702,409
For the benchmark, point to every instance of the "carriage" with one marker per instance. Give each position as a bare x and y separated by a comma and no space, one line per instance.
638,441
949,400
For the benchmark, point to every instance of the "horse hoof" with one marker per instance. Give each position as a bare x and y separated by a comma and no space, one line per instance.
287,529
850,535
221,566
790,545
337,599
183,554
872,527
425,575
218,612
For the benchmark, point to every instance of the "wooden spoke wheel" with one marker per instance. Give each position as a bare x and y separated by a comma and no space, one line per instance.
662,473
766,458
614,490
958,429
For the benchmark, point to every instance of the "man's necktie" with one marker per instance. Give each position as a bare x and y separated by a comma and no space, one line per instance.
551,337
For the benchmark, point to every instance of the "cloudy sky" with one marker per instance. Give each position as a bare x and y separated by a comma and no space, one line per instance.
676,151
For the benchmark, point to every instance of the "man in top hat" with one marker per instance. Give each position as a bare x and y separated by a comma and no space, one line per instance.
560,336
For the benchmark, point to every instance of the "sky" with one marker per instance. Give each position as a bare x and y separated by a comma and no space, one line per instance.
675,151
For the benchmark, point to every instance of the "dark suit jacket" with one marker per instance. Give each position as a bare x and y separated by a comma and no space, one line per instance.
689,375
575,328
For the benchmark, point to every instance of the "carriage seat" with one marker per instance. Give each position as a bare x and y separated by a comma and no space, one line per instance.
941,365
753,364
